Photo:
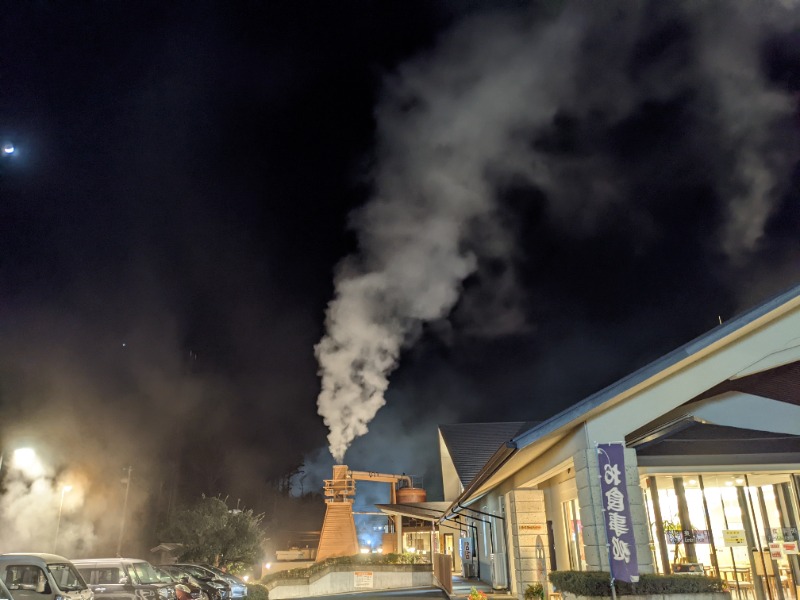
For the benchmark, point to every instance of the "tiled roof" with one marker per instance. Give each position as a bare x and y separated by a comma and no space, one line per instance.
471,445
781,383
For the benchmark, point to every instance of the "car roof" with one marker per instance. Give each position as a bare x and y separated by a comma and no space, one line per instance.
101,560
35,556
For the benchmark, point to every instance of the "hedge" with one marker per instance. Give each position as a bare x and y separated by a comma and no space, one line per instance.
597,583
256,591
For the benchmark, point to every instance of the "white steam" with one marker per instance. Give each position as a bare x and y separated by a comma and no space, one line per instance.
43,513
457,126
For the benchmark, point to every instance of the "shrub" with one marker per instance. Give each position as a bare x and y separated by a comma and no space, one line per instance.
597,583
535,591
256,591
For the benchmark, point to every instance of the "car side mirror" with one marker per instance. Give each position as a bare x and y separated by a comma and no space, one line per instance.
42,587
124,580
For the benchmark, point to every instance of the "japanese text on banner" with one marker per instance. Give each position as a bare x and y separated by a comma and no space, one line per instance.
617,512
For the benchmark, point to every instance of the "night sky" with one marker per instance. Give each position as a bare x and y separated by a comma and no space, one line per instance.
517,202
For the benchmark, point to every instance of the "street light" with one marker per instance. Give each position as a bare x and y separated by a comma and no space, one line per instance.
64,490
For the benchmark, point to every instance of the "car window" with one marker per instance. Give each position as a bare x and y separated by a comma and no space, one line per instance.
86,573
109,575
23,577
145,572
66,577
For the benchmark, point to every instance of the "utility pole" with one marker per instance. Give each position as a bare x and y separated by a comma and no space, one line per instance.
124,510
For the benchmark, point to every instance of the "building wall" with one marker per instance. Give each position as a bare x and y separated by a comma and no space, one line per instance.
557,490
527,534
587,479
451,484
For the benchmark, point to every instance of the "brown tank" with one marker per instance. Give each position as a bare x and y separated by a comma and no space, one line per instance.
409,495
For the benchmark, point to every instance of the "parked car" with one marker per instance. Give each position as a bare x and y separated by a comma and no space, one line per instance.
124,579
42,577
216,588
238,586
205,589
195,587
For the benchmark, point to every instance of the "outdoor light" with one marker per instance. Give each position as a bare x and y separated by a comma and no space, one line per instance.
23,457
267,566
27,461
739,480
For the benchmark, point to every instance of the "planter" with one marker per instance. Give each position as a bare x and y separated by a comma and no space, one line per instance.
700,596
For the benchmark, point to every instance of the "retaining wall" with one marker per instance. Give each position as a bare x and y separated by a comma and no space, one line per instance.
339,579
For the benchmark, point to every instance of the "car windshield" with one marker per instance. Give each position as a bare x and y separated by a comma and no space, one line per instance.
145,572
199,573
163,575
66,577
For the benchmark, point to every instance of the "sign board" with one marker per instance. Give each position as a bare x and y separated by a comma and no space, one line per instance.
688,568
466,548
734,537
540,528
617,512
790,548
362,579
776,550
688,536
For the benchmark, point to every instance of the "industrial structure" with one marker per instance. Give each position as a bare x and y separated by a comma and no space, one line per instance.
339,537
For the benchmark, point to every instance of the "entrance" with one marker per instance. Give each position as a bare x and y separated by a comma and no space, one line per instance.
740,527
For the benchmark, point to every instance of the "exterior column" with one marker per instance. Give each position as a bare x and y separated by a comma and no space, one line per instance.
587,480
529,550
398,526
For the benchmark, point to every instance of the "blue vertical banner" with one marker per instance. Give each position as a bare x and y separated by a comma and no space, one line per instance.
617,513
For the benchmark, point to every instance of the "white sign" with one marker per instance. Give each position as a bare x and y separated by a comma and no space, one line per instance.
734,537
362,579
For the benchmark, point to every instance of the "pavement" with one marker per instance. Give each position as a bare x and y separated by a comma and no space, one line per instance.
462,587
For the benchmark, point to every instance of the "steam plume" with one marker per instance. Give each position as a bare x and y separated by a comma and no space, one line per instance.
511,100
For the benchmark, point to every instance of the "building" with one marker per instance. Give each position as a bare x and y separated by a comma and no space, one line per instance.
711,436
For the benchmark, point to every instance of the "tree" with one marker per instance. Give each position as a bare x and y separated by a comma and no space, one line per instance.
213,533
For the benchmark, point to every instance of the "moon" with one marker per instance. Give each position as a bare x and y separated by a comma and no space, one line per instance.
8,149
